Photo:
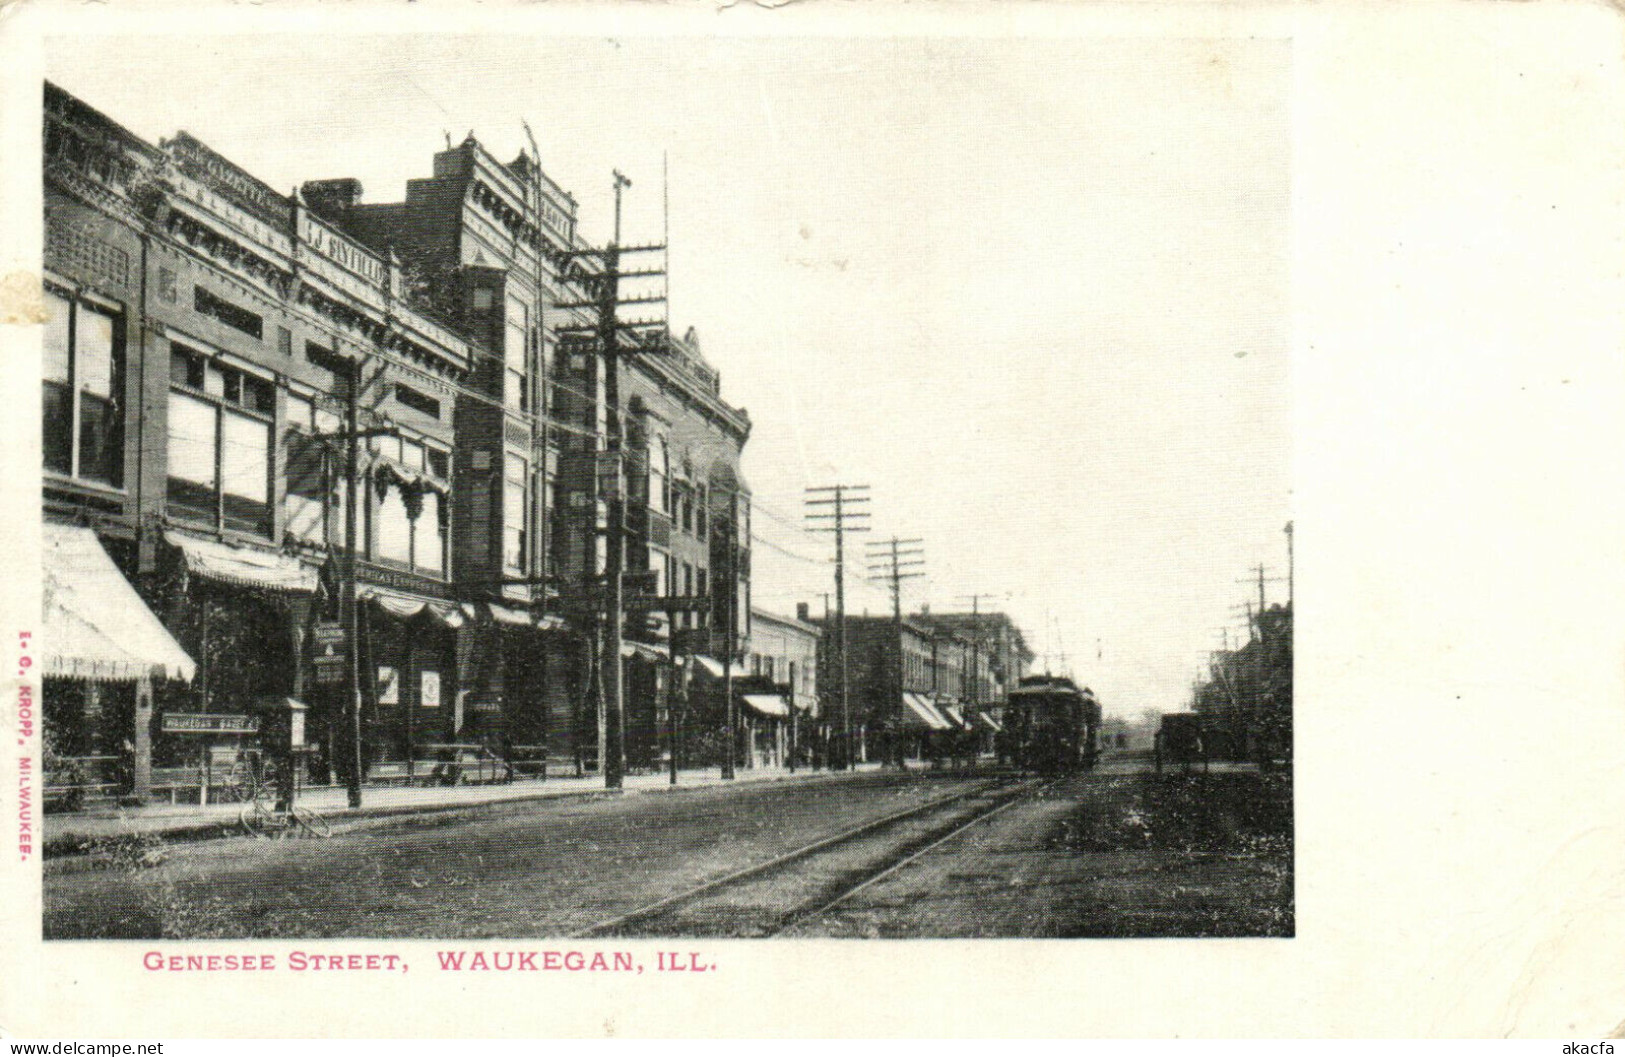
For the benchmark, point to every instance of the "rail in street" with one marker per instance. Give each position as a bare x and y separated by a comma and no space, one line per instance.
770,897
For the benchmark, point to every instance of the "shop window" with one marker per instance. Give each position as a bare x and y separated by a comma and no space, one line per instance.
83,421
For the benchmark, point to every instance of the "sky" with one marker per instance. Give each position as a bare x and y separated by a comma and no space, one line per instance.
1034,293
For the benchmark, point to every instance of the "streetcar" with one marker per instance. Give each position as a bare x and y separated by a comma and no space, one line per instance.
1051,726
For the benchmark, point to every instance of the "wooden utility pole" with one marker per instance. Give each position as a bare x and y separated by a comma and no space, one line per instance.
730,708
899,560
1290,568
843,498
645,337
976,643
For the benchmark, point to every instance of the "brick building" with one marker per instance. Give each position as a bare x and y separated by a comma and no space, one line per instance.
204,337
494,244
207,337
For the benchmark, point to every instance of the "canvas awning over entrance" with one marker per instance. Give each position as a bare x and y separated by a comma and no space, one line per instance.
952,714
767,704
95,626
244,566
988,721
633,648
919,712
713,667
403,606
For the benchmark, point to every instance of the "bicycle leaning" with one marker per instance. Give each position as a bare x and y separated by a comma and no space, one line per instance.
261,817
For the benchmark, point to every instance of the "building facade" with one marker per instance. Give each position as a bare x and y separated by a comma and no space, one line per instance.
213,351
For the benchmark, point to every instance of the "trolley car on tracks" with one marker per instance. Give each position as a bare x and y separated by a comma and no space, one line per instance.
1051,726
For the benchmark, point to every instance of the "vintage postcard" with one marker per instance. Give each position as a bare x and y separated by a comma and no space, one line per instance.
764,521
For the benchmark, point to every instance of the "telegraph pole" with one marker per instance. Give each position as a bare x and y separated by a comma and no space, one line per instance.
842,497
730,709
1289,564
976,644
900,560
1261,580
647,336
347,613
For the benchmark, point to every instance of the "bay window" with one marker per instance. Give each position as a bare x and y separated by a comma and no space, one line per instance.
83,373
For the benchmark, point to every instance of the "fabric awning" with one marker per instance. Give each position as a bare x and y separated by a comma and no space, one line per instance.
952,714
767,704
94,625
244,566
713,667
633,648
988,721
403,606
509,615
919,709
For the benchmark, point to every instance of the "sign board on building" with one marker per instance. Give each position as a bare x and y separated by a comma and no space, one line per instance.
209,723
330,671
201,163
328,637
389,686
429,690
662,603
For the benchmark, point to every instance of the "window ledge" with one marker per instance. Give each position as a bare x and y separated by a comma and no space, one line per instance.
79,484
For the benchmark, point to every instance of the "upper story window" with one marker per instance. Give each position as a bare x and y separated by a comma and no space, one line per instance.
702,516
234,316
313,503
515,508
516,354
84,374
410,521
659,475
422,403
219,444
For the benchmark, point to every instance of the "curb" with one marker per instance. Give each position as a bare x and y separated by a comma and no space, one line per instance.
66,850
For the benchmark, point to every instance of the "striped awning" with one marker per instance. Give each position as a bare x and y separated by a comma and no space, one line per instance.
244,566
919,712
94,625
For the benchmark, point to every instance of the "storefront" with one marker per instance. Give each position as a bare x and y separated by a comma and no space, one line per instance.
103,651
243,611
409,645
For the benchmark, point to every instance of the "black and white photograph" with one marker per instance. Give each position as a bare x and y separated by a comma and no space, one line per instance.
892,494
789,521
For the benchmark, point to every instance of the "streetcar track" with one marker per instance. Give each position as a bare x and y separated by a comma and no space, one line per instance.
849,881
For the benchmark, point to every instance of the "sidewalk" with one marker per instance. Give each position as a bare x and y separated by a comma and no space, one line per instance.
67,833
